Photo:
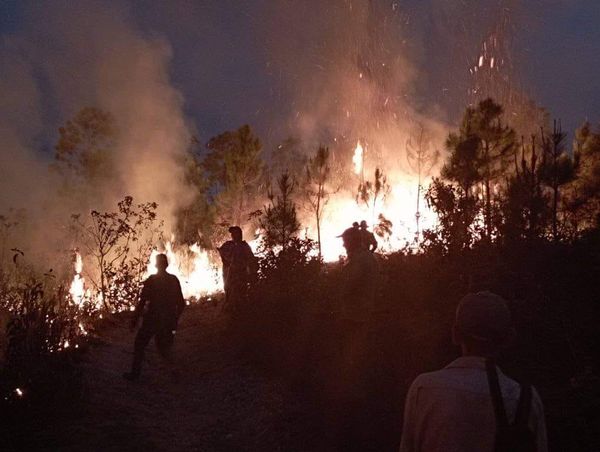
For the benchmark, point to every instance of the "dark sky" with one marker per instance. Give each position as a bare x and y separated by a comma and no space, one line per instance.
222,66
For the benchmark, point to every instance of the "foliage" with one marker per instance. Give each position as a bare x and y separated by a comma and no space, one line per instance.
120,243
524,207
479,154
83,151
235,173
372,192
557,169
583,201
196,221
279,220
456,211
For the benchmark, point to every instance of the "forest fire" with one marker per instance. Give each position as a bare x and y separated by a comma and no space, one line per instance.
389,204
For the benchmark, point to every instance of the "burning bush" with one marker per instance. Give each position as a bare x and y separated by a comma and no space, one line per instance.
119,244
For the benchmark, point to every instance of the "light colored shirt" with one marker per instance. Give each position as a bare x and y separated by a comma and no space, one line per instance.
451,410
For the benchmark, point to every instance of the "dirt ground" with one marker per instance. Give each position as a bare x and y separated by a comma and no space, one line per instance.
217,400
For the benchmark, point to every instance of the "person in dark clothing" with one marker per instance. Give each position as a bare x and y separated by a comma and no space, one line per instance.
161,304
239,264
368,240
351,238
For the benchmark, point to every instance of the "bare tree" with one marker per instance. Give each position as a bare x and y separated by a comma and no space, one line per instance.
318,174
371,193
120,243
421,158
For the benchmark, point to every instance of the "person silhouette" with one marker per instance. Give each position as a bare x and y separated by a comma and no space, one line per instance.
368,240
161,304
238,265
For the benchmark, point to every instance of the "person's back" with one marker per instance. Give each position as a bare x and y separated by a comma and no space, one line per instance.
451,409
162,292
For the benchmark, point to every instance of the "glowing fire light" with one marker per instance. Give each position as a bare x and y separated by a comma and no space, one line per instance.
19,392
77,289
358,157
196,271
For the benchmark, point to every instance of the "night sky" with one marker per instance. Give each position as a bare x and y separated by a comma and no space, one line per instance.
221,57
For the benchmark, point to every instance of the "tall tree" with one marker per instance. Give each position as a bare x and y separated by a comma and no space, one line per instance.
525,209
318,175
557,169
195,221
480,154
235,171
421,158
279,220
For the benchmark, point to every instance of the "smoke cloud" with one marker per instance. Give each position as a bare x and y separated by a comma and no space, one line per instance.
73,55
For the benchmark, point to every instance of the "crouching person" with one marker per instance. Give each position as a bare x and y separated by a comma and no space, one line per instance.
162,297
470,405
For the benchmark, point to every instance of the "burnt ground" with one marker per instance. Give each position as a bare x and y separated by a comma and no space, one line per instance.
218,400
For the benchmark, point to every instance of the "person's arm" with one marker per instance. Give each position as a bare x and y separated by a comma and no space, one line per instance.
373,243
409,441
537,422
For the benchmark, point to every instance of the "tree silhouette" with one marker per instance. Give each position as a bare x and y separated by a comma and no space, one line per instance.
84,151
557,169
235,171
525,205
480,154
318,174
195,221
279,220
421,158
370,193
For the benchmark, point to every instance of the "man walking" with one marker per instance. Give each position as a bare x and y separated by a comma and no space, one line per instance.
470,405
162,297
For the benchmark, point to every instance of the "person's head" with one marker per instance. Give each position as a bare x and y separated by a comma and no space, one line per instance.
161,262
236,233
355,225
483,325
363,224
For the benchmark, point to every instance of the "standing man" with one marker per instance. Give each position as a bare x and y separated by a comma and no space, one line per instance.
470,405
238,265
368,240
163,299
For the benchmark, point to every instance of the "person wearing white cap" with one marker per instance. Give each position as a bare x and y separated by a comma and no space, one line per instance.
470,405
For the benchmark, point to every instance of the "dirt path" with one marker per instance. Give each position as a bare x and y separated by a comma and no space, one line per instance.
218,401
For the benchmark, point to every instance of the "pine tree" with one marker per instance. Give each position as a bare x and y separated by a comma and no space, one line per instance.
279,220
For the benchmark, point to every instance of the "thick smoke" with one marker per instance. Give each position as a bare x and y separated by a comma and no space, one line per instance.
72,55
